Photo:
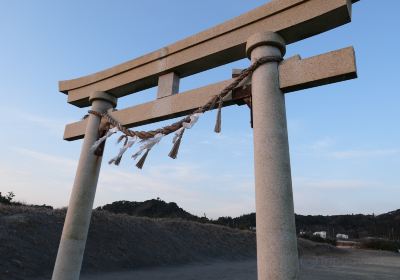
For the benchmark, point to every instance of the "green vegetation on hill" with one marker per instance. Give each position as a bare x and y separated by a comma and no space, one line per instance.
154,208
356,226
386,226
7,199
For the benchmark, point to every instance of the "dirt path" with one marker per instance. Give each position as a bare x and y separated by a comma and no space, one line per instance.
218,270
357,265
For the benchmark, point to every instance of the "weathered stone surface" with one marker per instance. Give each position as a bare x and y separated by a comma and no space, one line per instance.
294,74
168,84
297,74
76,226
277,256
294,20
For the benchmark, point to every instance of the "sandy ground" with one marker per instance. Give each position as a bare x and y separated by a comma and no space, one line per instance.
151,249
356,265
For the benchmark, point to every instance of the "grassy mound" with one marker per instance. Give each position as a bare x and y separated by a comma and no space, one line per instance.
29,240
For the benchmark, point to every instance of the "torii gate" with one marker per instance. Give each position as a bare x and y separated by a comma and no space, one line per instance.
262,32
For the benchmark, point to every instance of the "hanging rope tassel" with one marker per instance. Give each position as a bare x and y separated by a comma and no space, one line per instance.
217,128
147,145
177,142
127,144
179,133
213,102
141,161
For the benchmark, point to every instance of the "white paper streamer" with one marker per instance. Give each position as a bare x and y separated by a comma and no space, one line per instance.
102,139
117,159
186,125
148,144
193,120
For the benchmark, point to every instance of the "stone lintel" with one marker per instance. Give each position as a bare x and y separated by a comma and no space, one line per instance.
294,74
168,84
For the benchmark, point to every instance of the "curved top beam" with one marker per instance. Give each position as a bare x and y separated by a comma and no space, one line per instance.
294,20
244,19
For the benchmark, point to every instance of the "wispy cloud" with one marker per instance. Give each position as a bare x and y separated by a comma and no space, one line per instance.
55,126
47,158
317,147
38,177
158,180
326,147
47,178
333,183
193,187
343,196
364,153
322,144
51,124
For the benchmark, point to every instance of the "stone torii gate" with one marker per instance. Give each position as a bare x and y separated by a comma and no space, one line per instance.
264,31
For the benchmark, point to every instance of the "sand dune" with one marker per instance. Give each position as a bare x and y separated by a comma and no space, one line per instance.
126,247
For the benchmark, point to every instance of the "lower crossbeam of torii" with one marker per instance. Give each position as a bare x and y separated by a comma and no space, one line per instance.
262,90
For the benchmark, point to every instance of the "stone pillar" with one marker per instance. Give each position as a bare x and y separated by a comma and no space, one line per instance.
277,256
73,240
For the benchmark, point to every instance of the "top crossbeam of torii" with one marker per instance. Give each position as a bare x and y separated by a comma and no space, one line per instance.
294,20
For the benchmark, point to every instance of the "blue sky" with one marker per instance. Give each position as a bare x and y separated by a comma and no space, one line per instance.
344,138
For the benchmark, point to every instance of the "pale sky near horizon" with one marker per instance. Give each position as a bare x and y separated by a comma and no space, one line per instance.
344,138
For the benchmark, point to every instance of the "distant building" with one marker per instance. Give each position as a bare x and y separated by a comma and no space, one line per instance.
321,234
342,236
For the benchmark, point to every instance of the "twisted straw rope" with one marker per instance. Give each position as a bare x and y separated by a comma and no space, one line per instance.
206,107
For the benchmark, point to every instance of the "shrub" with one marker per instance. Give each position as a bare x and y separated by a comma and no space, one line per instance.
319,239
7,199
380,244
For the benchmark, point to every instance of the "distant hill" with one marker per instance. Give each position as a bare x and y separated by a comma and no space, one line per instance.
154,208
355,225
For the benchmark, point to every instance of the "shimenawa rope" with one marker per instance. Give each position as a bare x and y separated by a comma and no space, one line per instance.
150,138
